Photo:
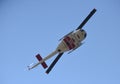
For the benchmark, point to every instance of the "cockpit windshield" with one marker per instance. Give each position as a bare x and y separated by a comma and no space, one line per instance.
85,34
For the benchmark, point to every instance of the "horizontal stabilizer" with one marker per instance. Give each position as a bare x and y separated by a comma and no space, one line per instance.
39,59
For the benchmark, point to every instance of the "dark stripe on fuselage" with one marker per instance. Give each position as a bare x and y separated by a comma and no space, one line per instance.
69,42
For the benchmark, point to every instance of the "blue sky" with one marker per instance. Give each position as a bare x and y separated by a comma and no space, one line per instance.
29,27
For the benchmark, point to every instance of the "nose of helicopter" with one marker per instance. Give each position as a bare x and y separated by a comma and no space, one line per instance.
84,33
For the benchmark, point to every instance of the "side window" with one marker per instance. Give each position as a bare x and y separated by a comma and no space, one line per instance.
73,40
78,36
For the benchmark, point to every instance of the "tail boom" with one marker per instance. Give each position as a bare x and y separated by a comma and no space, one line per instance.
42,60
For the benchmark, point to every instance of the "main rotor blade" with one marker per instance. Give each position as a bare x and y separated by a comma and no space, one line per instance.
86,19
53,63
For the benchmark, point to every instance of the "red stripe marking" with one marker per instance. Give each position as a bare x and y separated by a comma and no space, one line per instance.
38,57
69,42
44,65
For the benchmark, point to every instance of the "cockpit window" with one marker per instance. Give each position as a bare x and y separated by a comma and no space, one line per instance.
73,40
82,30
85,35
78,36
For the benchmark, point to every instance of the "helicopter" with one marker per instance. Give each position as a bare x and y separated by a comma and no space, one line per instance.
69,42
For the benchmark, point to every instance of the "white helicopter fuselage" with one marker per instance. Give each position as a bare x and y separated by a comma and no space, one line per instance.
69,42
